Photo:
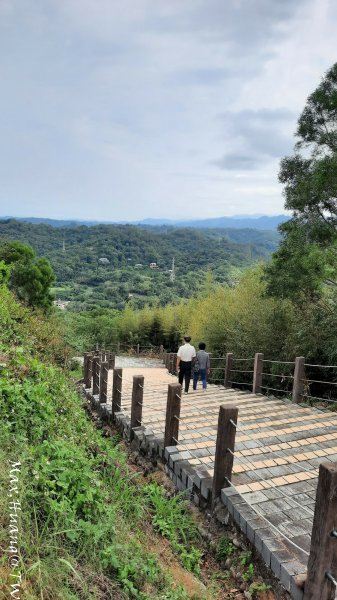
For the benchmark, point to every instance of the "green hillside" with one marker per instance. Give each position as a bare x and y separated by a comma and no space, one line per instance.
125,277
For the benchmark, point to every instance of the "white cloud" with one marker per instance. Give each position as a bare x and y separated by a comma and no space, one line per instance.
125,110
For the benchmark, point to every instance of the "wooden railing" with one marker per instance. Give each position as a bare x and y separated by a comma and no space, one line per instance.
321,580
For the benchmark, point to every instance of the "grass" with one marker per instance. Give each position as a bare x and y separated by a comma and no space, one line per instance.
84,519
90,529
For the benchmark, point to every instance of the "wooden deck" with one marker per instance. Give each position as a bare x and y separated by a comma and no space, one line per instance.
278,449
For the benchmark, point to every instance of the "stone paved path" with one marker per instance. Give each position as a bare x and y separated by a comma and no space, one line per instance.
278,449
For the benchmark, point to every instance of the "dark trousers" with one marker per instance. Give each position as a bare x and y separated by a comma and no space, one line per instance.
185,369
202,373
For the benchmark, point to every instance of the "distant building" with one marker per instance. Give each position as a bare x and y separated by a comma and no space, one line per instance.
153,265
104,261
61,304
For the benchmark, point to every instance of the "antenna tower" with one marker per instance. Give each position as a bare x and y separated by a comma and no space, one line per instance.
173,274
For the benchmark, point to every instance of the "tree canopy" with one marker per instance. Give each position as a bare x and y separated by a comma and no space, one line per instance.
29,277
306,258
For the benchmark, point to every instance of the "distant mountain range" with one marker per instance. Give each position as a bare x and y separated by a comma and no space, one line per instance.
238,222
261,222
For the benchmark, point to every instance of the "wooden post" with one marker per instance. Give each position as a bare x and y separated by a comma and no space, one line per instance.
224,450
137,349
117,390
95,375
171,368
118,347
172,414
86,369
103,382
299,375
228,369
174,372
258,368
323,550
161,351
112,360
136,403
90,359
164,357
167,360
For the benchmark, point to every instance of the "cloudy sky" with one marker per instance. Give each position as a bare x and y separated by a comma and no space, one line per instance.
129,109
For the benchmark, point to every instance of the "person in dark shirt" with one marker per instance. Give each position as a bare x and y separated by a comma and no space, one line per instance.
202,366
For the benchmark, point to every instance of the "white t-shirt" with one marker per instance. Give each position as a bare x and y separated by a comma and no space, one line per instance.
186,352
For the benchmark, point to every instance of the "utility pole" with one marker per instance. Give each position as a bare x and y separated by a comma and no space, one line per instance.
173,275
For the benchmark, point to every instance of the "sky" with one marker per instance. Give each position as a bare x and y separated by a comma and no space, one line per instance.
115,110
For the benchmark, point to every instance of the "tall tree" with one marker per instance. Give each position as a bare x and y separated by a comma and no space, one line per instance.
30,276
307,254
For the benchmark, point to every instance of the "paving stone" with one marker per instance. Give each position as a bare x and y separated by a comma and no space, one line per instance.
296,593
290,568
304,500
262,534
273,493
199,475
277,557
206,487
297,513
273,506
169,451
277,518
294,528
304,541
255,497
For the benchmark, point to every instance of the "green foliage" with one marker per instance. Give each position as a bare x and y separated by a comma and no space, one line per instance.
306,259
131,568
248,573
4,272
172,520
225,548
82,513
89,284
257,587
30,277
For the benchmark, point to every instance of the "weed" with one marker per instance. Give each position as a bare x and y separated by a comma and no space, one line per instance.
225,548
249,573
258,586
170,517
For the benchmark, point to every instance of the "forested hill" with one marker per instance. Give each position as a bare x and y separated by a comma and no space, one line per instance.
86,280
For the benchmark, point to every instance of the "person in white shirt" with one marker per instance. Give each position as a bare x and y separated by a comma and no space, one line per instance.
185,356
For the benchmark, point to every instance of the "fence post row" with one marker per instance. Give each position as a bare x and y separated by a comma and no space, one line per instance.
136,403
172,414
103,382
224,450
117,390
299,375
258,368
228,368
95,375
322,564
